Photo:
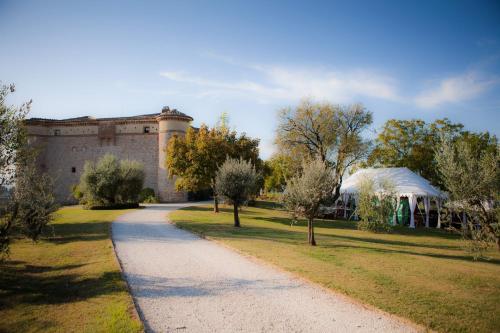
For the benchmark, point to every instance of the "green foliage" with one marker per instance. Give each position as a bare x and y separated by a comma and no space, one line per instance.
410,143
131,181
277,170
375,209
77,192
471,173
332,133
33,195
110,182
147,195
30,206
235,181
305,193
12,135
195,158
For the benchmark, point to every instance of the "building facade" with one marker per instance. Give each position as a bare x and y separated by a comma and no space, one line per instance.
65,145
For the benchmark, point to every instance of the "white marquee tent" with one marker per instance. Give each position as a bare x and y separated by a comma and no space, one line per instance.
406,184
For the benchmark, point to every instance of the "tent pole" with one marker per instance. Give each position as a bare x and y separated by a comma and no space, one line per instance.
427,203
438,204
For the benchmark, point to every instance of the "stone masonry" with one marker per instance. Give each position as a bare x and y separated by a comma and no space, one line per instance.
65,145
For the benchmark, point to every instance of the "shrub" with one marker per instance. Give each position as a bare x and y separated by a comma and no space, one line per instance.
147,195
235,182
109,182
131,181
375,209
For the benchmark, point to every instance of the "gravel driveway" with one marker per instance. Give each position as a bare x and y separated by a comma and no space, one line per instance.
181,282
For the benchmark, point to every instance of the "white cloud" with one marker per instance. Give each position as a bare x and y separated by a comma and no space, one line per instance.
455,89
280,83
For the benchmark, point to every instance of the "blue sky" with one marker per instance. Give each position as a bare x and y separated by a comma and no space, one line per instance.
401,59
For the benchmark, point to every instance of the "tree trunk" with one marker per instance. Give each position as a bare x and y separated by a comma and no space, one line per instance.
310,233
216,204
236,216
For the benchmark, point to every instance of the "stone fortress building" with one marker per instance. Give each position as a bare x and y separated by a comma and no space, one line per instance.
65,145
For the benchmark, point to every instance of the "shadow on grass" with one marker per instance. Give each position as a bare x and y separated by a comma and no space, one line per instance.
70,232
27,284
298,237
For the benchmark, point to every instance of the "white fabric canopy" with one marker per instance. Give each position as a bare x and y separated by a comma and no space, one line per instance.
406,183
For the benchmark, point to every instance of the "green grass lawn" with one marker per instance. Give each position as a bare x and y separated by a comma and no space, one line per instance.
422,275
70,281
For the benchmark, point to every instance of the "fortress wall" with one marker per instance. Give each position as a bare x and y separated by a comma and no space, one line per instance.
137,128
62,153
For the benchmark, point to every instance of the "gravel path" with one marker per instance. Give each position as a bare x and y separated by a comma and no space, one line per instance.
182,283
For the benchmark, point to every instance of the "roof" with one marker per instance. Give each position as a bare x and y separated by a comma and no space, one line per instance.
405,182
166,113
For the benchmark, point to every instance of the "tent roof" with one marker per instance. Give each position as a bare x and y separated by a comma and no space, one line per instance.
405,181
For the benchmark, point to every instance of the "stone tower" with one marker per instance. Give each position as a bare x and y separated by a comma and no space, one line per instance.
170,122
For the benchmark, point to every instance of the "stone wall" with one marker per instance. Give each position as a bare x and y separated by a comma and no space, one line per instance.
60,154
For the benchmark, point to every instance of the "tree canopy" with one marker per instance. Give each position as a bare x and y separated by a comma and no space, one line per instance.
332,133
235,182
471,173
306,192
31,202
111,182
195,157
412,144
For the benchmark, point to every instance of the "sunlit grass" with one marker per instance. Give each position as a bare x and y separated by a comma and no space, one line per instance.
69,281
424,275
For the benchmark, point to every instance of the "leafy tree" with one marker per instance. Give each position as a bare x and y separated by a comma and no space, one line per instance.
235,182
110,182
12,135
472,177
329,132
411,144
306,192
375,208
30,203
195,157
34,200
278,170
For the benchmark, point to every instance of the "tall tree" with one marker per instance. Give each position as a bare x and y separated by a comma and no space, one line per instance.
31,202
235,181
306,192
195,157
332,133
471,174
411,144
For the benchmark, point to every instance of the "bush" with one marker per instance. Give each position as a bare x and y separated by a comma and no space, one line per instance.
110,183
147,195
375,209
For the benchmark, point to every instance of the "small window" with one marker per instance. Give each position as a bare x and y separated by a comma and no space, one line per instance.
73,170
146,129
57,132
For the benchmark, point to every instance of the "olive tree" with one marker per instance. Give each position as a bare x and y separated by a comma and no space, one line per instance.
306,192
375,205
472,177
30,203
110,182
235,181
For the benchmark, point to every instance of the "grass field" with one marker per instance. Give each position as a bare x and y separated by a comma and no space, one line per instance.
69,281
422,275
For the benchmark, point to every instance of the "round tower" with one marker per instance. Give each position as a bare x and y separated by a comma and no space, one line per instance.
170,122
